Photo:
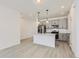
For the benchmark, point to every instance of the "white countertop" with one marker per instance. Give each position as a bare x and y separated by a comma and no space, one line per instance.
46,34
58,30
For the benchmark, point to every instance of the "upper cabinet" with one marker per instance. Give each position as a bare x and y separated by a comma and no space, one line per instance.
63,23
59,23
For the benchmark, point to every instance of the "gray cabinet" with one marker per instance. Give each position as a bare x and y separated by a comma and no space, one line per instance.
52,22
64,36
62,23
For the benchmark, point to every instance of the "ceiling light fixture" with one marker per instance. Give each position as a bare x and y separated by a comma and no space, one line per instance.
38,1
47,16
62,7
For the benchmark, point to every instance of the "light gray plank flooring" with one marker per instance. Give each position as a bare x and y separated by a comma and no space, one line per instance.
29,50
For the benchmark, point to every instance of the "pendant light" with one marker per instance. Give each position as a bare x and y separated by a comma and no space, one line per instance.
47,16
38,22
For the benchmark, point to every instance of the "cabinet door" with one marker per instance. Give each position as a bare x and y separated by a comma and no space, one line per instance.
60,24
63,23
64,36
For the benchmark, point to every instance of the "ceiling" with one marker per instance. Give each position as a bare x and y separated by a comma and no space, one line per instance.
29,8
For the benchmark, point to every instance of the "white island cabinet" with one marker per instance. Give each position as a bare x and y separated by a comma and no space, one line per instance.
44,39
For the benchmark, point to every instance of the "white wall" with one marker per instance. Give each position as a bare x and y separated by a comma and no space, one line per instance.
27,28
9,27
77,27
74,27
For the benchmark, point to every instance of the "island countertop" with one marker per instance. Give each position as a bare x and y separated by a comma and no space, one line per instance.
44,39
45,34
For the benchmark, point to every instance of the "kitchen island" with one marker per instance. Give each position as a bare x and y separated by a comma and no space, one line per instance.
47,39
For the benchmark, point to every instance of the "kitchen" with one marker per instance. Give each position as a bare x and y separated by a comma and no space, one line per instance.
51,30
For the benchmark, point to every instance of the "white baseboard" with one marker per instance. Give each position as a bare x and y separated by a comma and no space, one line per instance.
10,46
26,37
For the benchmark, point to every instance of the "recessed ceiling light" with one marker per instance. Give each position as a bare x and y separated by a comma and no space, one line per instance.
62,7
38,1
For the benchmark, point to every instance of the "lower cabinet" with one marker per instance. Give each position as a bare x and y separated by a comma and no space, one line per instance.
64,36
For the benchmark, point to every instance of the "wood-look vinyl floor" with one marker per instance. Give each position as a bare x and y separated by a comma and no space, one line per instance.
29,50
